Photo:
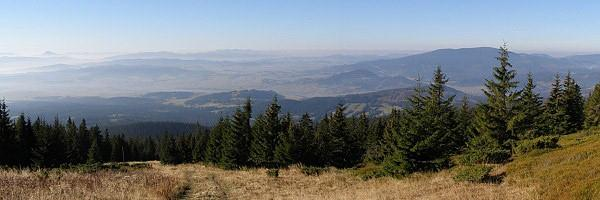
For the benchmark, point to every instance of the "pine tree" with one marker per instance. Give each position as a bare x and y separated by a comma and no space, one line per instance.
283,154
304,137
83,137
574,103
556,119
532,109
26,140
464,118
201,139
240,125
374,142
7,137
229,146
339,136
168,151
357,142
212,153
498,117
322,149
264,135
592,108
94,153
72,142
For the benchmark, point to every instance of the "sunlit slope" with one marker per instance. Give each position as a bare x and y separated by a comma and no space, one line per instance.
569,172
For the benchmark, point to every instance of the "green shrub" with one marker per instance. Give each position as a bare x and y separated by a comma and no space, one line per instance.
273,173
543,142
312,171
397,165
474,173
484,149
370,171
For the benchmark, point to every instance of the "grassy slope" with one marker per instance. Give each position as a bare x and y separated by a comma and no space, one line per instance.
570,172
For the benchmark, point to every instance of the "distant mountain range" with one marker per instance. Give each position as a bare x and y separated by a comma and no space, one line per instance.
468,67
189,107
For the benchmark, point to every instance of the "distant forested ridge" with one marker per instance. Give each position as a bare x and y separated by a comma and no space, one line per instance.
421,137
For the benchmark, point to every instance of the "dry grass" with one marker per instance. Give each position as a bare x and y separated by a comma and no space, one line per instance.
570,172
213,183
57,184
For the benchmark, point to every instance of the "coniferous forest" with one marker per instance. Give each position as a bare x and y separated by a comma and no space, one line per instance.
421,137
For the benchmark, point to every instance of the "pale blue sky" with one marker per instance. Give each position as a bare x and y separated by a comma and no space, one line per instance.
186,26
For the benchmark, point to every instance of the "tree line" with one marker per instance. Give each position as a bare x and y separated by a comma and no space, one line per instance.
420,137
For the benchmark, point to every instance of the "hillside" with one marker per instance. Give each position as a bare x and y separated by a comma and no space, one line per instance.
570,172
188,107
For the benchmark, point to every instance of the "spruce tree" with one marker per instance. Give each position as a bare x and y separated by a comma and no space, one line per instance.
94,153
556,119
7,137
574,103
532,110
499,115
304,137
264,136
168,151
72,142
229,146
212,153
339,137
198,151
464,118
25,140
83,141
283,154
374,142
240,125
592,108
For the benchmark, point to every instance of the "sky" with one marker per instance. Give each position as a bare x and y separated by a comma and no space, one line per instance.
104,26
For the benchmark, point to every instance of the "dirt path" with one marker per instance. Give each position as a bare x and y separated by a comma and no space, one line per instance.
203,186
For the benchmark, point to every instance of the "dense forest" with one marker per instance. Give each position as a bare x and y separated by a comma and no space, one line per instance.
421,137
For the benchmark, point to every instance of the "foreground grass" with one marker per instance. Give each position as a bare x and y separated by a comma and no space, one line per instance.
149,183
213,183
570,172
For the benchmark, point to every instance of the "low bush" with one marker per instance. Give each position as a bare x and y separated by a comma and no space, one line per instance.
370,171
312,171
543,142
273,173
483,149
473,173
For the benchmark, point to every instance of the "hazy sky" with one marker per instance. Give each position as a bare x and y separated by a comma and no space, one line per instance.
171,25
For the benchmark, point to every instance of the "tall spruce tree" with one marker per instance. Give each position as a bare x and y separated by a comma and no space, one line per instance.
464,118
94,152
304,137
574,103
26,140
240,125
264,136
212,153
229,146
283,154
72,142
435,135
592,108
499,115
7,137
374,142
556,119
532,110
339,133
